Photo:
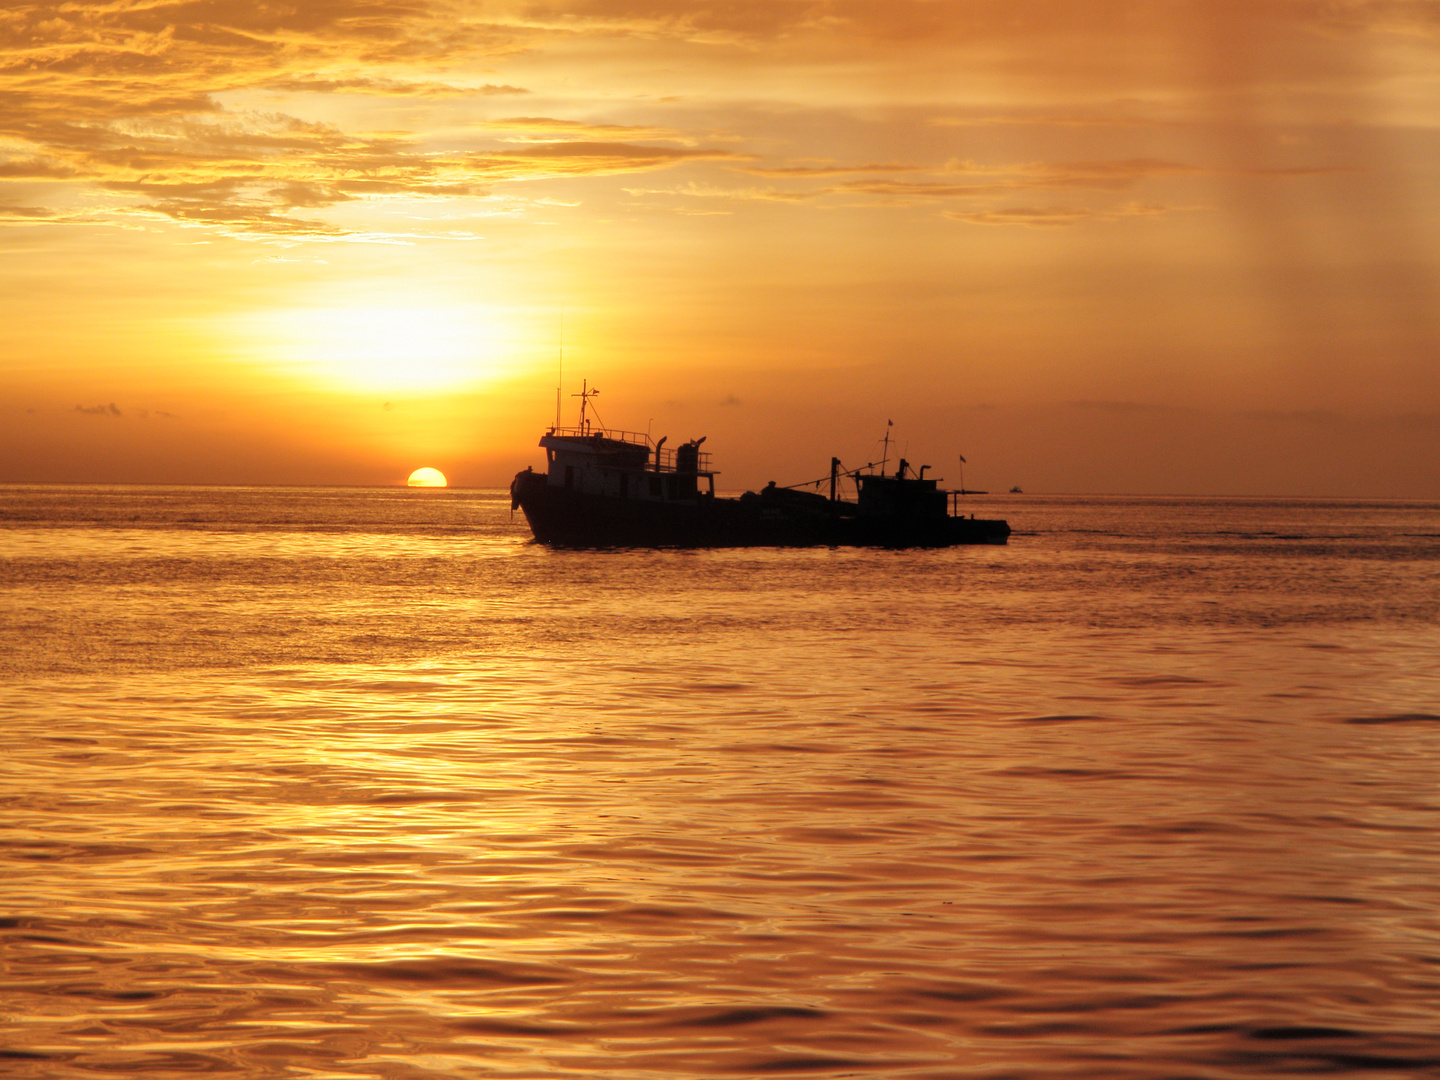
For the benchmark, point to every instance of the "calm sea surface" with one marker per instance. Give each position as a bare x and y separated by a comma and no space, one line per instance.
343,783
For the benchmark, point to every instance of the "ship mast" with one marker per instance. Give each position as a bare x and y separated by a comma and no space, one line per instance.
585,395
560,374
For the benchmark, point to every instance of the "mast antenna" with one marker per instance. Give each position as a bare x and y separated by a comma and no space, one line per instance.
560,374
585,395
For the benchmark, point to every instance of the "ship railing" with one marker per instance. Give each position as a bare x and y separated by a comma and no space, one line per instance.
664,454
639,438
666,460
956,509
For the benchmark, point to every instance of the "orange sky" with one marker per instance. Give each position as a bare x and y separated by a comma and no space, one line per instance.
1174,247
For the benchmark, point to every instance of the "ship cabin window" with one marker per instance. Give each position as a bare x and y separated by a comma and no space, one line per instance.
624,485
569,476
654,487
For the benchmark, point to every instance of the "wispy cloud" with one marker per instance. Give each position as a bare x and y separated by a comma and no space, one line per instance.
988,181
1052,216
1133,117
135,99
806,172
384,87
546,128
904,184
34,168
717,192
581,158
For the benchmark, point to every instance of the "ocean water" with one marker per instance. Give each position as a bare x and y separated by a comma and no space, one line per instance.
349,783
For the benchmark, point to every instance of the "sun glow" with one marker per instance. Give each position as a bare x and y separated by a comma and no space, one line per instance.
390,348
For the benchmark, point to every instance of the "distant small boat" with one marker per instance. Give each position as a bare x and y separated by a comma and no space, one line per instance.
1016,490
608,488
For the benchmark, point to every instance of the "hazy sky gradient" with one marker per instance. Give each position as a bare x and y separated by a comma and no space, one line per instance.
1184,246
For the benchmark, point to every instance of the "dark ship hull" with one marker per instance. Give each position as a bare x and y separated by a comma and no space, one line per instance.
775,517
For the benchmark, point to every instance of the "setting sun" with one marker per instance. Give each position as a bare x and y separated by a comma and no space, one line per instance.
427,477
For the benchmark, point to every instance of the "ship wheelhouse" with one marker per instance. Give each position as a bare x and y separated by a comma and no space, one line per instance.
626,465
901,496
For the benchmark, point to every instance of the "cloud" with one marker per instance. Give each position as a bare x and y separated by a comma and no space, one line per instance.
966,180
804,172
1049,118
34,168
384,87
1035,217
13,213
159,104
246,173
711,191
1107,175
586,158
1129,407
99,410
224,44
132,99
544,128
1052,216
993,180
989,181
916,189
1125,173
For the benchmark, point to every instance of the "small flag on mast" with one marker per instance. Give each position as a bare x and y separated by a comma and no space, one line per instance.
962,458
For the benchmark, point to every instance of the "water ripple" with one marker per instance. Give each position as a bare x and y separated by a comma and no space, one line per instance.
376,796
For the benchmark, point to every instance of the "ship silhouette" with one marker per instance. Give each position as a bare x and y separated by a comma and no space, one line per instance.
604,487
